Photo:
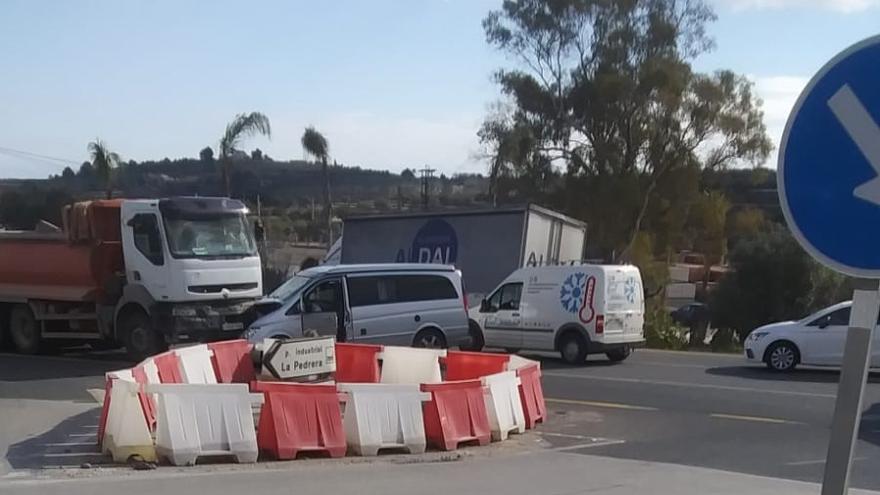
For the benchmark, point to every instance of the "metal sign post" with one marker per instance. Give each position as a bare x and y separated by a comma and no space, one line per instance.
853,375
828,178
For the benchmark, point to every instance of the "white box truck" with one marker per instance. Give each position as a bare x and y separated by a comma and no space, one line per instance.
486,245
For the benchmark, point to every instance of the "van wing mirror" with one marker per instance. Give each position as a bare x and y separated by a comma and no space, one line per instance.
824,322
484,306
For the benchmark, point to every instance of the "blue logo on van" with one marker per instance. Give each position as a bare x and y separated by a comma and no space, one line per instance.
629,290
435,242
572,293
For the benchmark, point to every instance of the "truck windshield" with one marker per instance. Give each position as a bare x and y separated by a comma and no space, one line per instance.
209,236
290,288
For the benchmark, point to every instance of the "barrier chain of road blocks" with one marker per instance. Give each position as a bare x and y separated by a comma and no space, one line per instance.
201,401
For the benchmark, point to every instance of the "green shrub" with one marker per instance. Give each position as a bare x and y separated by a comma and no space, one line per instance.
661,332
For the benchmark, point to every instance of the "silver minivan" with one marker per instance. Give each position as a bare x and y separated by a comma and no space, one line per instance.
422,305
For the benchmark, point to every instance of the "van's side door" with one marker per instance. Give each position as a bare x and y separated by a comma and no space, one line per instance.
502,324
378,315
324,309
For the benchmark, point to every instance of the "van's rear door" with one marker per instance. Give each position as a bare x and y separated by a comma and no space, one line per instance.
624,304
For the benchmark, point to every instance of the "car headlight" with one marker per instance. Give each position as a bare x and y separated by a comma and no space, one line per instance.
250,332
758,335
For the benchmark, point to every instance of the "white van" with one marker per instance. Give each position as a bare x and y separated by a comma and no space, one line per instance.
576,310
422,305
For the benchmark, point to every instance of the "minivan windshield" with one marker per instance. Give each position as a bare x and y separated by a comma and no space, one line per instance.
210,236
288,290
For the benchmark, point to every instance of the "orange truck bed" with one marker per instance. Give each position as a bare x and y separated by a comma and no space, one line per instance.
72,266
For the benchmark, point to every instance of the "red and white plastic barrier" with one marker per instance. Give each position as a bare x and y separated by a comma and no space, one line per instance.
198,402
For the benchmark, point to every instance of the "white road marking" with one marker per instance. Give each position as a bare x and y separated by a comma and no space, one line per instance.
864,132
592,403
91,435
564,435
819,461
689,385
602,443
757,419
71,444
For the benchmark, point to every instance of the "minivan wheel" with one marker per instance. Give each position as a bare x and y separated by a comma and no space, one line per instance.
430,338
573,348
24,330
782,356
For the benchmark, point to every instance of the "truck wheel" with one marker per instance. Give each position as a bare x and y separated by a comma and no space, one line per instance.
24,329
141,341
573,348
619,354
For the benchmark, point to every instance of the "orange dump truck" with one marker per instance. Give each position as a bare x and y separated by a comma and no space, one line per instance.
138,273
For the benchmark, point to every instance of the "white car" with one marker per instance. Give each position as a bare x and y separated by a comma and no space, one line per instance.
815,340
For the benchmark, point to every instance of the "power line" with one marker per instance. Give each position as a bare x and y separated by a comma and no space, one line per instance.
28,154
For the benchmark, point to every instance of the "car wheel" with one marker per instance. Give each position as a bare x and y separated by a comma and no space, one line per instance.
140,339
573,348
24,330
619,354
782,356
430,338
477,340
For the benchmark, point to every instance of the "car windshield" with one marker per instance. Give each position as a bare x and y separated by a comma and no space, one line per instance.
210,236
286,291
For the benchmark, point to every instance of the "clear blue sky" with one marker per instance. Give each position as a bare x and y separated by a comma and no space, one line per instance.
392,84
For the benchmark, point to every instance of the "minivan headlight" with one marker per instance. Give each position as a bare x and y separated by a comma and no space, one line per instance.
250,332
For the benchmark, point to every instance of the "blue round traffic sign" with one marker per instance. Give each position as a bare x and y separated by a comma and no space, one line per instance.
829,163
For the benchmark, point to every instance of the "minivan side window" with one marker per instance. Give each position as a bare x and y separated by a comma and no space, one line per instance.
506,298
324,297
147,240
389,289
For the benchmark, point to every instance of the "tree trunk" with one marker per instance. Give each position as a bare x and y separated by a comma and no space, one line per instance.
328,206
225,169
637,226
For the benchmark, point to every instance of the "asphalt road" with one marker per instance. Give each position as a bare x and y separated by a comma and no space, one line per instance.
691,409
706,410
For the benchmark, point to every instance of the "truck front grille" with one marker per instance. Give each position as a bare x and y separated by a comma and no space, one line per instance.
216,289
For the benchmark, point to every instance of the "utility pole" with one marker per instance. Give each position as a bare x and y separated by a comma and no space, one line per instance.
427,174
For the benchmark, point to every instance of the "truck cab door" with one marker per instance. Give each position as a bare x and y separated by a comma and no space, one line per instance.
143,247
502,321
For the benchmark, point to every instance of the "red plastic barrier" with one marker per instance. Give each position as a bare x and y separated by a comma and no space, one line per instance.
105,409
472,365
140,376
455,414
532,394
357,363
232,361
299,417
168,365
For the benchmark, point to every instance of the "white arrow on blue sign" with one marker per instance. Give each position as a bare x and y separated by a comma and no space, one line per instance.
829,163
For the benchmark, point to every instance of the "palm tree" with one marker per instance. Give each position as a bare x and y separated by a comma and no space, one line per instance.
315,144
103,163
244,125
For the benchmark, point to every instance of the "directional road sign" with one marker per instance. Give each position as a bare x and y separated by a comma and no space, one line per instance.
829,163
299,358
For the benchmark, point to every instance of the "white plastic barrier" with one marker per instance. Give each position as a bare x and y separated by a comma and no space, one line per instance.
411,366
195,364
126,433
516,362
503,404
382,416
205,420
